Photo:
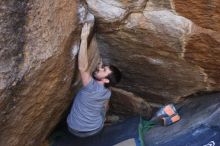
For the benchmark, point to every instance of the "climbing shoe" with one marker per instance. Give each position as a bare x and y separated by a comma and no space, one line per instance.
166,111
170,120
168,114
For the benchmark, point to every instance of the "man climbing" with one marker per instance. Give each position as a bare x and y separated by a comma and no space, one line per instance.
87,114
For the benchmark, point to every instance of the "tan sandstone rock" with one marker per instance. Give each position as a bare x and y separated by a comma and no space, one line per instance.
165,49
36,67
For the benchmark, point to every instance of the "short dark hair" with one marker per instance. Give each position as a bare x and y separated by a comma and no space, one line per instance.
114,77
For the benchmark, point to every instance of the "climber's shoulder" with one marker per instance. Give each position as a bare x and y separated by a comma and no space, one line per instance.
86,78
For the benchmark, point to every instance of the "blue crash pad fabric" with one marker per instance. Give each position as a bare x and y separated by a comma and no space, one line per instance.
202,135
199,136
107,137
199,125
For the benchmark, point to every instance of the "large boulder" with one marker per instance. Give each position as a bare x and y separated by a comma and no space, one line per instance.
165,49
36,67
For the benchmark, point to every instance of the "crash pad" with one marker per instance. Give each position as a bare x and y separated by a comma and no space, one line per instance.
199,124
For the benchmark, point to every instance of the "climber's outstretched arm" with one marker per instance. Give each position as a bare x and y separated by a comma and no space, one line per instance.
83,55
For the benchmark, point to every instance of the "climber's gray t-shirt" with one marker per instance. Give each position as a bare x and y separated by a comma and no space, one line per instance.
87,111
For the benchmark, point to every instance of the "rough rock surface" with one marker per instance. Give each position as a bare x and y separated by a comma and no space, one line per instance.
165,49
36,67
127,104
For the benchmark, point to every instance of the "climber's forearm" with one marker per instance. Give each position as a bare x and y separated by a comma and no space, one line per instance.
83,56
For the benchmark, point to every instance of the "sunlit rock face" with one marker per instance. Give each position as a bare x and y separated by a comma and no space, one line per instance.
165,49
36,67
202,47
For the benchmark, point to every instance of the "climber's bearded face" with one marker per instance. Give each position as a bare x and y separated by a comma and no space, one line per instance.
101,72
